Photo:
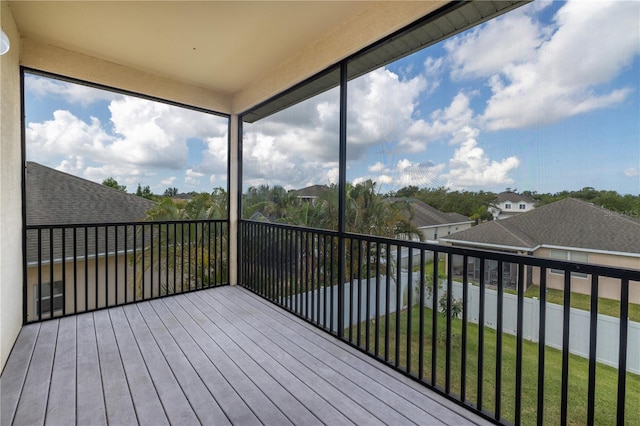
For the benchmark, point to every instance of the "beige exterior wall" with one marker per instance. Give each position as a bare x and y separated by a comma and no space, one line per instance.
607,287
436,232
86,288
10,190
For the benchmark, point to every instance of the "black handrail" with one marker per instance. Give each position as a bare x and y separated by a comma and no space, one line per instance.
297,267
74,268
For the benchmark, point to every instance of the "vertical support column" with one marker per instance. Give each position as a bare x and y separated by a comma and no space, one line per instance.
342,188
234,174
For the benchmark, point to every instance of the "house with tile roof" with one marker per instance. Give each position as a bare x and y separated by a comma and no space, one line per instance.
57,198
509,203
570,229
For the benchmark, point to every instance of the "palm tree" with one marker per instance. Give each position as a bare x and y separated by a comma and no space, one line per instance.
180,254
367,212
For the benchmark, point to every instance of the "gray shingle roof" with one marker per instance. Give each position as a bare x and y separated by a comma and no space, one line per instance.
424,215
312,191
57,198
566,223
513,197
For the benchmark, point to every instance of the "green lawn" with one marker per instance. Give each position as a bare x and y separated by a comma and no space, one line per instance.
579,301
606,377
583,301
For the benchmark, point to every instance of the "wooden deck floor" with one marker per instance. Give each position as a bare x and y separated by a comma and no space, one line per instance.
219,356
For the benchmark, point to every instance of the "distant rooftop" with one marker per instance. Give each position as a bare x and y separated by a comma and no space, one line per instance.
313,191
513,197
566,223
425,215
55,197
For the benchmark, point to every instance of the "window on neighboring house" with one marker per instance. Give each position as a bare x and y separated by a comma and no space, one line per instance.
45,303
507,206
523,206
570,256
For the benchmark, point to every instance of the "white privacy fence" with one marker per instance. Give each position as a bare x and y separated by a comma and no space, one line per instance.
608,331
608,328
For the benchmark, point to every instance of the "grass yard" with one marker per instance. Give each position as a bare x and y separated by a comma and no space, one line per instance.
606,377
583,301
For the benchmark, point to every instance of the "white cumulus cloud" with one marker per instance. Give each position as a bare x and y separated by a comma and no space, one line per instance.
484,51
540,75
471,167
73,93
632,172
140,139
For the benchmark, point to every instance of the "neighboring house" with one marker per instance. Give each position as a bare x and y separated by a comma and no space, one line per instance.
510,203
570,229
183,197
433,223
310,193
260,217
57,198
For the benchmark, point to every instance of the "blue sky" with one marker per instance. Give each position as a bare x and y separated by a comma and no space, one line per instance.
544,98
97,134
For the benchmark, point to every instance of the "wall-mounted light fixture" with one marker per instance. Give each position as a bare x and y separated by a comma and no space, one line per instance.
4,43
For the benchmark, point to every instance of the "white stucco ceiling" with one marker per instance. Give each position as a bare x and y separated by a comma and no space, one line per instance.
218,45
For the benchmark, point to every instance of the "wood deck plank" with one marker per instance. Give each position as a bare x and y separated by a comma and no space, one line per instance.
322,358
225,395
204,404
176,406
253,396
35,393
321,379
295,411
61,408
272,364
117,396
403,391
146,401
219,356
15,372
89,396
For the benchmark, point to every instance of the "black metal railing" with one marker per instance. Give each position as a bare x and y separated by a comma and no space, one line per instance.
457,320
71,269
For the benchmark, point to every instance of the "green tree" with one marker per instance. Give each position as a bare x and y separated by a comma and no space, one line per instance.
112,183
625,204
184,255
274,202
171,192
144,192
367,212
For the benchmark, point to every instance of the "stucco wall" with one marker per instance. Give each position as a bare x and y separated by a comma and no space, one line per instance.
10,190
84,287
607,287
80,283
430,233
